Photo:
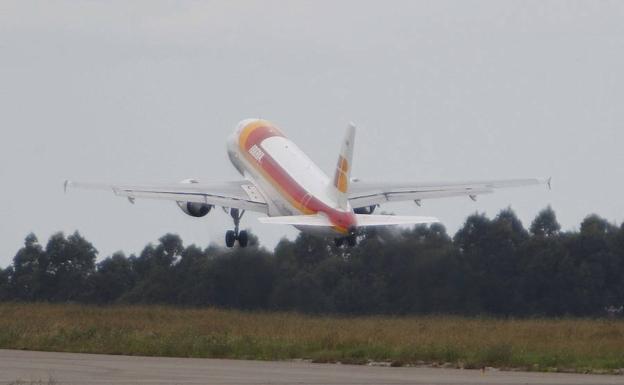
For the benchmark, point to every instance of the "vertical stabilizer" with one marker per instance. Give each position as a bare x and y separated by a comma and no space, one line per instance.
343,168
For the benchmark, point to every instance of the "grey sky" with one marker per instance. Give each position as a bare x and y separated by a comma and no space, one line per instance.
148,91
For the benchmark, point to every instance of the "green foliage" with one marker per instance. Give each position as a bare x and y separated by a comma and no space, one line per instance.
491,266
69,266
29,270
545,224
114,277
5,288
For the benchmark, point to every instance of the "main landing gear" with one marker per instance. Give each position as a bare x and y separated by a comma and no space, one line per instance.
231,236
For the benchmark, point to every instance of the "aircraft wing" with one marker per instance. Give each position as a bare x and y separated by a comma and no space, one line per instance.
237,194
363,194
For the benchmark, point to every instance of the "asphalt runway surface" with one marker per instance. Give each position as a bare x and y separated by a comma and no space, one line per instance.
74,368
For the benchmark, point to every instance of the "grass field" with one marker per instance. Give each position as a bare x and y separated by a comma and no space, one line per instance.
581,345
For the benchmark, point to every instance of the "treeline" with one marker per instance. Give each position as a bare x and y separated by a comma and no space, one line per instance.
491,266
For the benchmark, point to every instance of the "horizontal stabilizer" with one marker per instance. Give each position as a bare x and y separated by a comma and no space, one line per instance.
298,220
387,220
361,220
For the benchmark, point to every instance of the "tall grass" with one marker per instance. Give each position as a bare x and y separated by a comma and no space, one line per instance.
533,344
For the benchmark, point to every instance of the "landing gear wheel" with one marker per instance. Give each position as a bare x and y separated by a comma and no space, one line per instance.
230,238
232,235
338,242
351,240
243,238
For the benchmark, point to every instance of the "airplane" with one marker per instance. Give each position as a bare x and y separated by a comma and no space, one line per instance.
283,183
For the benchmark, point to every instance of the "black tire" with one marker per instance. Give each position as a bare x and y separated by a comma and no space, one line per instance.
351,240
338,241
243,238
230,238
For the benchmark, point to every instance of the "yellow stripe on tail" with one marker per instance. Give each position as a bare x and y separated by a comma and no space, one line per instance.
343,168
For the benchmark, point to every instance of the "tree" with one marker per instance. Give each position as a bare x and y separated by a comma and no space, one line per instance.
595,266
242,278
193,285
491,266
113,278
155,271
29,268
5,281
542,278
491,252
545,224
425,275
71,264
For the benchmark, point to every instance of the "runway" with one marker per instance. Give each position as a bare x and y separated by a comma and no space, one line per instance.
73,368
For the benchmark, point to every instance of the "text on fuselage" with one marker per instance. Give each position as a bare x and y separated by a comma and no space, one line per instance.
256,152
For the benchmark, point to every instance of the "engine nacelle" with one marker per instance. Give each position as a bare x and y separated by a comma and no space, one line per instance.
365,210
194,209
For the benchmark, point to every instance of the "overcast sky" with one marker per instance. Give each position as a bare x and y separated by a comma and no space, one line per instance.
440,90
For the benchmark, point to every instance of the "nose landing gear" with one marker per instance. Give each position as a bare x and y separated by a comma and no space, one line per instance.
231,236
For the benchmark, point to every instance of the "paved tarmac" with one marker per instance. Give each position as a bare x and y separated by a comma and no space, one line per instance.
73,368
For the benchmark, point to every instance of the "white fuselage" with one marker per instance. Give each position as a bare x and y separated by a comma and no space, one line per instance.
289,181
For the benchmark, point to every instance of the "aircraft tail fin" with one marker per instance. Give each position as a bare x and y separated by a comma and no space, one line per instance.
343,168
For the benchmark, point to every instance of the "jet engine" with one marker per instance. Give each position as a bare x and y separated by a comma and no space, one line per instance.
194,209
365,210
